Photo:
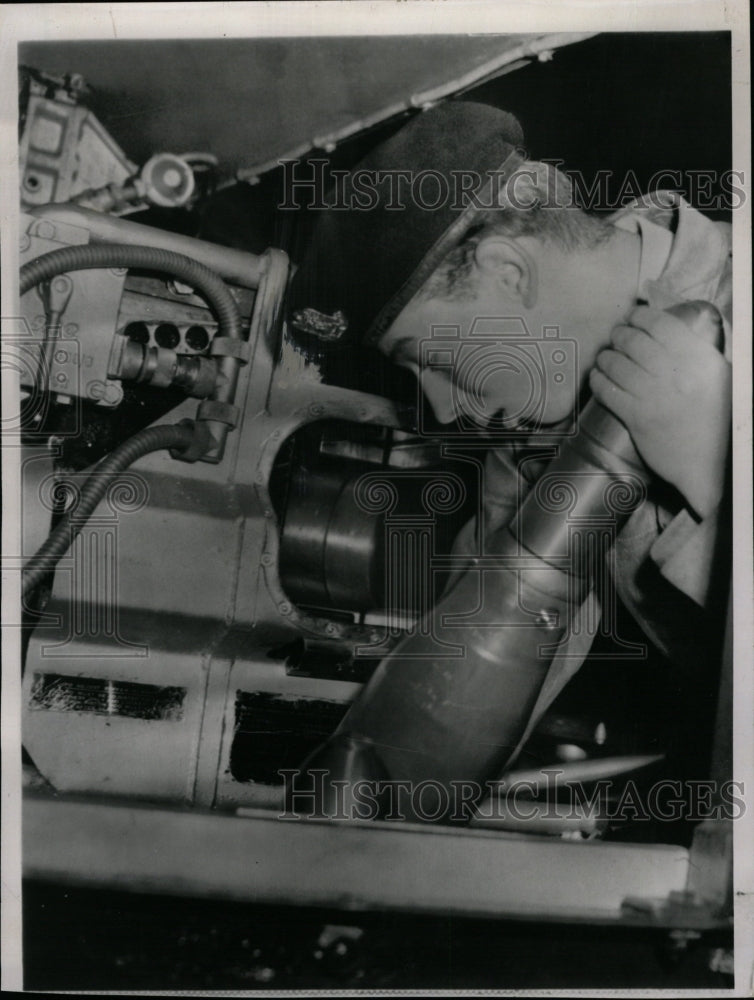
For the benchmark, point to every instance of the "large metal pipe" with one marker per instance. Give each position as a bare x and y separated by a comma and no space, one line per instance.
235,266
431,717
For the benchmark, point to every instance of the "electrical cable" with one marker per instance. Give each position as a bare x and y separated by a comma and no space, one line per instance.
173,436
179,436
98,255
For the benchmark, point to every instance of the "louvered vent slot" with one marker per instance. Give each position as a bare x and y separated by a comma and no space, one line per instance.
100,696
274,733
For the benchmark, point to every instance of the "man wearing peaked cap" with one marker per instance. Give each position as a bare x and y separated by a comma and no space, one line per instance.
480,231
367,262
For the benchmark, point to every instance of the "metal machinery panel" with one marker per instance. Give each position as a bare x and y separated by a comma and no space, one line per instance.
256,857
205,618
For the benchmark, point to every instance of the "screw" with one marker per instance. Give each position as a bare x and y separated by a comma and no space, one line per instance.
266,559
172,178
46,230
316,409
112,394
71,328
61,357
25,242
284,608
61,378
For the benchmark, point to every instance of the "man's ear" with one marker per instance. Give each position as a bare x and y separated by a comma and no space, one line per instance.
508,265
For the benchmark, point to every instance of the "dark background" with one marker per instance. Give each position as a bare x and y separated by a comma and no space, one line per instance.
647,102
80,939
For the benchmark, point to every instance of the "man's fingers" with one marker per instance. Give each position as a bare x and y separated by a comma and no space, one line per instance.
624,372
617,400
667,330
639,346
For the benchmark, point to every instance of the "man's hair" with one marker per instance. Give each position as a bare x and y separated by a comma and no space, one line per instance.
536,200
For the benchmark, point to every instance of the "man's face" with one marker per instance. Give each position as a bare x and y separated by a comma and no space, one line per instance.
516,348
484,363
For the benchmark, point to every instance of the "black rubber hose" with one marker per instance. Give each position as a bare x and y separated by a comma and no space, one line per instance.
86,258
173,436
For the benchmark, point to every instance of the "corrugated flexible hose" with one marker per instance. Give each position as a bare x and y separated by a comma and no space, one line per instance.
173,436
89,257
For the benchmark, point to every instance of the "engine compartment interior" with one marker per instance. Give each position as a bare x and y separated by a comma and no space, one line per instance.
219,600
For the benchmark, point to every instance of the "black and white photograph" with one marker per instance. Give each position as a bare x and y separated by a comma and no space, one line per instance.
377,498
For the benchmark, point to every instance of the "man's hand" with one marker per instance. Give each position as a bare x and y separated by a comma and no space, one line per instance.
672,390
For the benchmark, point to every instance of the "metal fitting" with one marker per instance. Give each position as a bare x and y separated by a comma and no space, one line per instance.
159,366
